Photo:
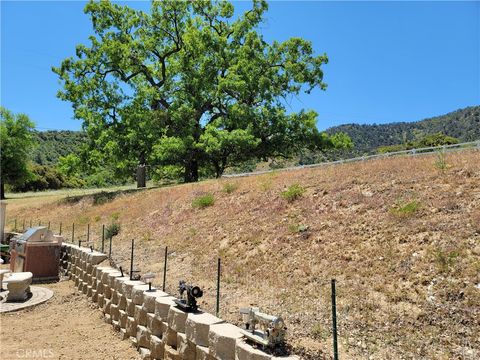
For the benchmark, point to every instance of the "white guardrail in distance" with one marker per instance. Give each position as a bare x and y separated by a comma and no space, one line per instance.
411,152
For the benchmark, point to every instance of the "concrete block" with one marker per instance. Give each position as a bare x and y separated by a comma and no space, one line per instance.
140,315
130,308
94,296
111,276
106,306
155,324
137,293
143,336
115,296
114,312
198,325
122,302
122,318
96,257
244,351
157,347
116,325
202,353
131,326
162,306
100,300
186,348
176,319
149,299
170,337
118,281
171,354
89,291
107,318
100,269
133,340
144,353
123,334
222,339
127,287
107,291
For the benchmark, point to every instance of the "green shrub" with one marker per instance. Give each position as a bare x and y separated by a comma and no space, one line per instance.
229,187
440,162
203,201
112,230
406,209
293,192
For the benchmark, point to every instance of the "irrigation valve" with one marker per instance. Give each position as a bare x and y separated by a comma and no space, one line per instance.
148,278
272,328
190,303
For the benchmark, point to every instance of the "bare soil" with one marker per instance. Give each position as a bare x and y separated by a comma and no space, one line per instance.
400,235
68,326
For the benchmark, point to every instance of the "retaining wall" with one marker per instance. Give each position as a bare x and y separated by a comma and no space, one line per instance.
149,319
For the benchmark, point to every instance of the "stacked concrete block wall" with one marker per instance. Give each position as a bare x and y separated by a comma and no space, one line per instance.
150,319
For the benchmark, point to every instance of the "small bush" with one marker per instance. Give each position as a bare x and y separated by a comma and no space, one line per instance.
293,192
440,162
112,230
406,209
230,187
203,201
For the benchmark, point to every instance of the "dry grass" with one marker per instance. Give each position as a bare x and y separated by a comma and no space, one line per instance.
407,285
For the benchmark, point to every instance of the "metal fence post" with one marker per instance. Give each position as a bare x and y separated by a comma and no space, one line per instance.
73,233
131,260
334,321
218,288
165,269
88,234
60,233
103,237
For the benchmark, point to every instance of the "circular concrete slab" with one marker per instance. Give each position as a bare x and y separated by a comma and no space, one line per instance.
39,295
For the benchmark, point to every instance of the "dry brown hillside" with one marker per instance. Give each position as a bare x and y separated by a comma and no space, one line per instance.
401,236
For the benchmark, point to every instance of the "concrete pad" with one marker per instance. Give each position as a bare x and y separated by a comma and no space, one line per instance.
162,306
176,319
137,293
149,299
186,348
171,354
222,339
157,347
198,325
143,336
140,315
244,351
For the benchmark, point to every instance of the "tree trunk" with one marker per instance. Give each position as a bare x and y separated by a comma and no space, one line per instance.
2,190
191,171
141,172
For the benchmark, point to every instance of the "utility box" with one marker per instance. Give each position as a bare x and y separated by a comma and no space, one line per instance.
36,250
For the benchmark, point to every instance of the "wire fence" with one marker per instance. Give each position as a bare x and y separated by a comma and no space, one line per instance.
411,152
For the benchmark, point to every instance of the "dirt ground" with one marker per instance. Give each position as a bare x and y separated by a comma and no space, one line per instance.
68,326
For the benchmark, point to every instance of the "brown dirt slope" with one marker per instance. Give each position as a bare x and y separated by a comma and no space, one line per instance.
400,235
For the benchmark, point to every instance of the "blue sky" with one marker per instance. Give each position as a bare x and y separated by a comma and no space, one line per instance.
389,61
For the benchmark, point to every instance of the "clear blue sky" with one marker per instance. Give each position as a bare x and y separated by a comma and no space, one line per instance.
389,61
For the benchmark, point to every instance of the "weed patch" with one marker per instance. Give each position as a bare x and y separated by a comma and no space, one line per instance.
406,209
230,187
293,192
203,201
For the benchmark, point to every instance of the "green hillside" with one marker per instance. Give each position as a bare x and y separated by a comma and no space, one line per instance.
463,124
54,144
